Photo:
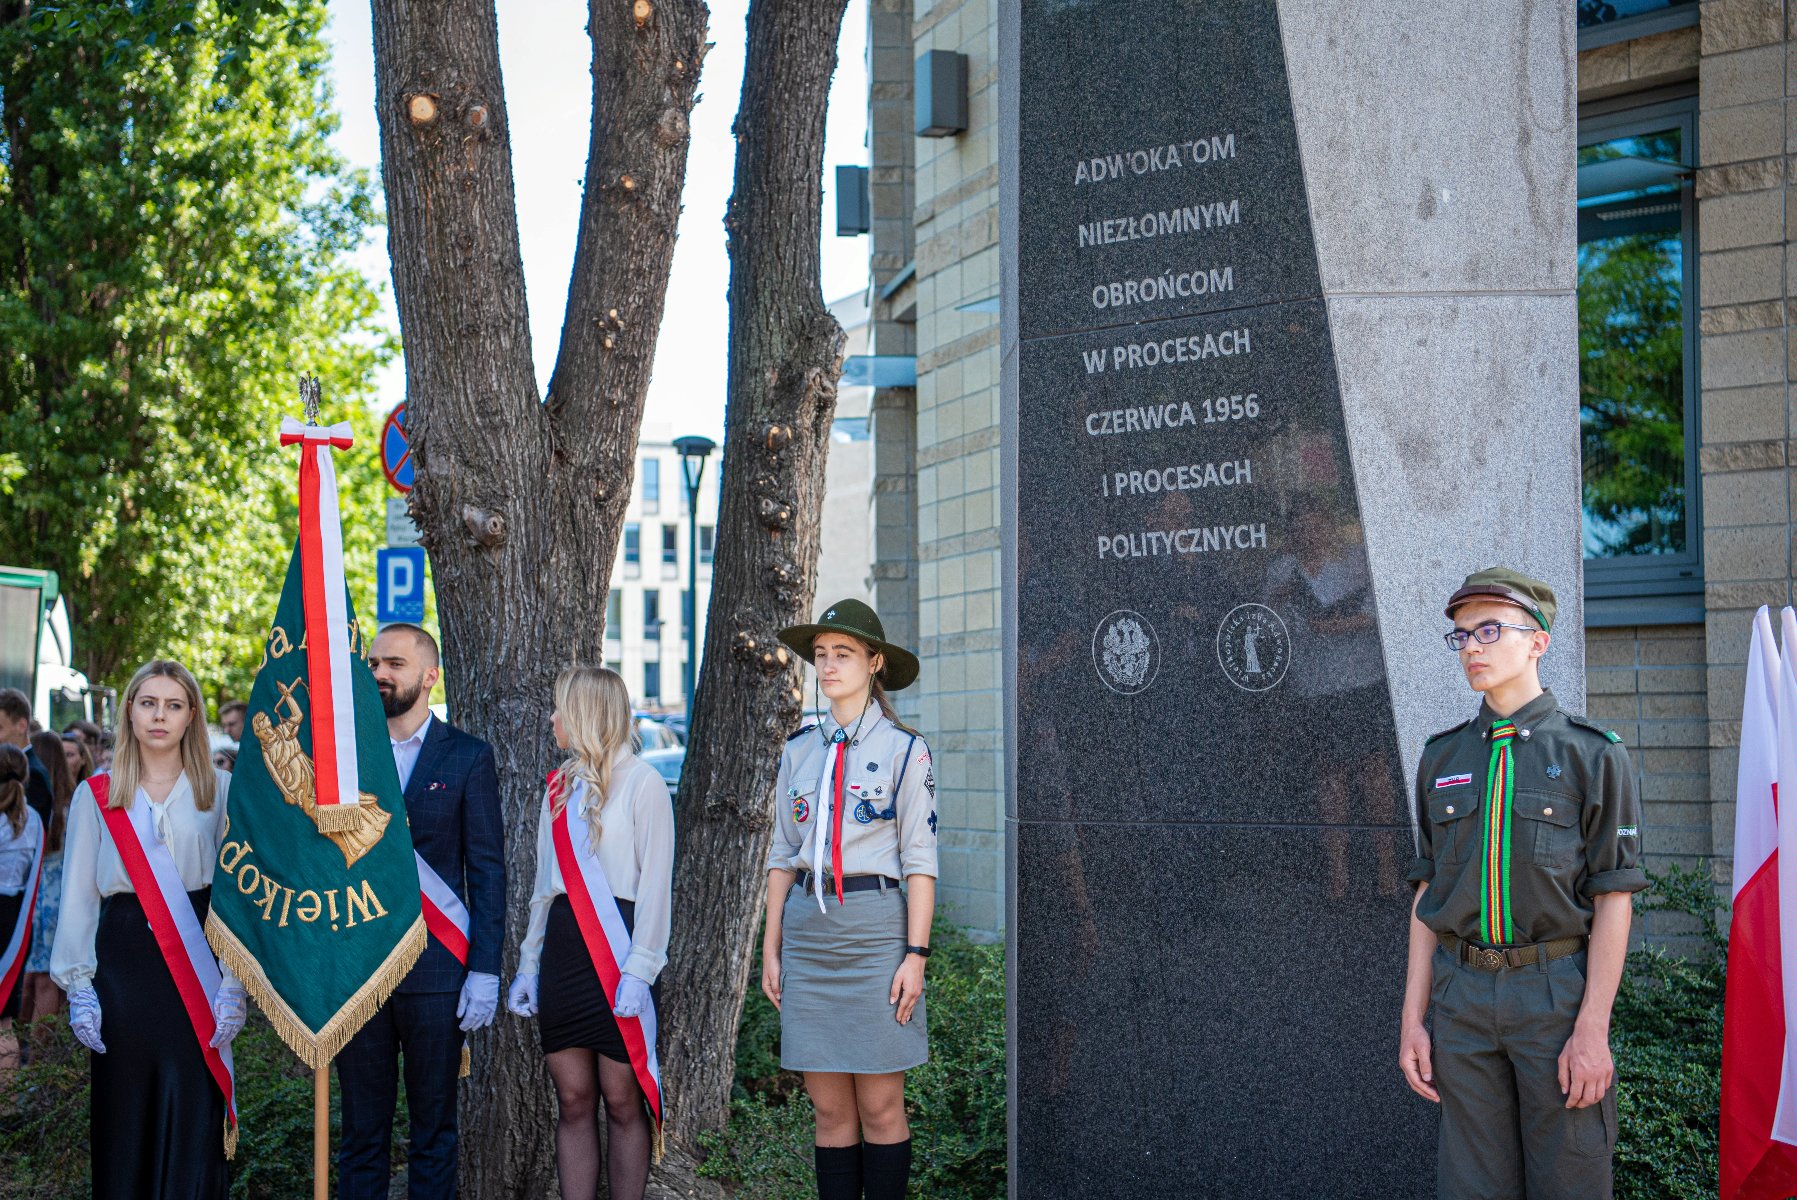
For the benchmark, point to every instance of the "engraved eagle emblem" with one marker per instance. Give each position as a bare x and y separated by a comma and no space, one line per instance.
355,828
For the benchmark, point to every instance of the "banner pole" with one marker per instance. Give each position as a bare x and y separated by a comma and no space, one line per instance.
321,1132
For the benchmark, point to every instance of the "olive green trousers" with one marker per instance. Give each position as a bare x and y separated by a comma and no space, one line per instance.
1506,1133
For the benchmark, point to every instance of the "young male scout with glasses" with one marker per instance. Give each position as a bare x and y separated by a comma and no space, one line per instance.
1529,845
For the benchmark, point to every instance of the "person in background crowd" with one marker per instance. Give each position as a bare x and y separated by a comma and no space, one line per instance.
844,950
616,810
225,758
451,786
41,996
231,717
20,836
97,741
156,1117
15,730
78,756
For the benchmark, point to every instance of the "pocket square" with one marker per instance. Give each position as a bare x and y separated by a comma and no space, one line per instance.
437,785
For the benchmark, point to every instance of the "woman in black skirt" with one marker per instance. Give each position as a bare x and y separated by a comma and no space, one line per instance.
157,1118
20,834
843,955
620,807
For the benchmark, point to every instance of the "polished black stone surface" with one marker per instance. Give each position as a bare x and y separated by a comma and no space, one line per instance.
1211,1011
1175,109
1207,824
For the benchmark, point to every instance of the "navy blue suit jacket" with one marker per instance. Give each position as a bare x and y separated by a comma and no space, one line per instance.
452,804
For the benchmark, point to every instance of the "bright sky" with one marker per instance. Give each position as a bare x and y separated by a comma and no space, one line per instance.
544,52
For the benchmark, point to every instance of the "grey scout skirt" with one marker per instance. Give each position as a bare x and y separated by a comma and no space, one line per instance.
837,970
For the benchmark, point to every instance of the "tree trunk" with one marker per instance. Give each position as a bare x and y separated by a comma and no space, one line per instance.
520,502
785,356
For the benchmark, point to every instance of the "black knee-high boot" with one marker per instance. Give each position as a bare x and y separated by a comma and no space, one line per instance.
885,1170
838,1172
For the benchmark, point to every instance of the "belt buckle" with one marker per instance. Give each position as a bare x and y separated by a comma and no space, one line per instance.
1489,959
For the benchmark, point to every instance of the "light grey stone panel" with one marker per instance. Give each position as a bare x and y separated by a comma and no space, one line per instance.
1437,145
1462,424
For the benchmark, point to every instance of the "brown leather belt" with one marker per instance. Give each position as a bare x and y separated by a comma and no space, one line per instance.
1500,958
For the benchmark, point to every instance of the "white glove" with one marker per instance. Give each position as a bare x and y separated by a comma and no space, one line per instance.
229,1013
84,1018
633,997
479,1002
521,1001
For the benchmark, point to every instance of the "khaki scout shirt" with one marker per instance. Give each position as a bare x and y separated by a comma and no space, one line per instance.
888,799
1575,823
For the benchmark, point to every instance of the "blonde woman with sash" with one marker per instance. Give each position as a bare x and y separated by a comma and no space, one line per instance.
598,936
141,842
843,954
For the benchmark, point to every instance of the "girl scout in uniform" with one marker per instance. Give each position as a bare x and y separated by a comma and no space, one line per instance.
843,958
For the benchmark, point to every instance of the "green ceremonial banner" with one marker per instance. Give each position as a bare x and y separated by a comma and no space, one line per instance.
320,926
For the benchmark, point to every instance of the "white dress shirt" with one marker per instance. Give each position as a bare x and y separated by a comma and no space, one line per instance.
636,849
405,754
92,869
17,851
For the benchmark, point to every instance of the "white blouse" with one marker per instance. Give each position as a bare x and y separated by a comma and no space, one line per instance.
17,851
637,852
92,869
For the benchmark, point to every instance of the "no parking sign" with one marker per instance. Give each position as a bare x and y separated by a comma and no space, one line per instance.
396,451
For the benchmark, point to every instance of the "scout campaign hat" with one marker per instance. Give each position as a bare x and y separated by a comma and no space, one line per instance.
1511,587
858,621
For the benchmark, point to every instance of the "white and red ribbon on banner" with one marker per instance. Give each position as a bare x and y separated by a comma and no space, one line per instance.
178,933
326,602
1759,1055
607,940
12,962
444,915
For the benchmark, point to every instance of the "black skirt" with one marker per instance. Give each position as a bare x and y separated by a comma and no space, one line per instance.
571,1007
157,1119
11,907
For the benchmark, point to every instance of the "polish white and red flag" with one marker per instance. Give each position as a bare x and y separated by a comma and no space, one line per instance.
1759,1059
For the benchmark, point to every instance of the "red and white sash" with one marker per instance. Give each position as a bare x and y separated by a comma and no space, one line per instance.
12,963
444,915
326,604
178,933
602,929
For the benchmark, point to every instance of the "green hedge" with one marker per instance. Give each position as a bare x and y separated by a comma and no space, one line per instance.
956,1102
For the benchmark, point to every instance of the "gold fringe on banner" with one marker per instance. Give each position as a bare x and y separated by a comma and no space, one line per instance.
317,1049
467,1063
230,1139
661,1145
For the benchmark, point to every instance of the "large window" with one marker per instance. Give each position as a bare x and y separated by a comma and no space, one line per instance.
614,614
1602,22
652,615
651,683
633,549
651,485
1638,364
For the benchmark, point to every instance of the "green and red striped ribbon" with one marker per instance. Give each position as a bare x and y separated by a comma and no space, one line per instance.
1495,922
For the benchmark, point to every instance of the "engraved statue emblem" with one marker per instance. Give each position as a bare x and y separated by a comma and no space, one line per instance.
1125,652
356,828
1253,647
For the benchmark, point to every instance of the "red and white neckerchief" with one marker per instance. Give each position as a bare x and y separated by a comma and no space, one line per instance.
178,933
326,603
602,929
12,962
444,915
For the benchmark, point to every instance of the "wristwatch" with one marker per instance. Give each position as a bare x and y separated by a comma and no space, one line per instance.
920,951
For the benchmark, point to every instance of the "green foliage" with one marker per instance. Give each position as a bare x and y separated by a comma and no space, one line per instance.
49,1093
1666,1036
955,1102
174,238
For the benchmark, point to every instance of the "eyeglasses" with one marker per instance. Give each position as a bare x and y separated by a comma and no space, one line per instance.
1485,634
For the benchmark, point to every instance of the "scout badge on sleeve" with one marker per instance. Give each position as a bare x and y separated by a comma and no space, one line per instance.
316,903
157,882
602,929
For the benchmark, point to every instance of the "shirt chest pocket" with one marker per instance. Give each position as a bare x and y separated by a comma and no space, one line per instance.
801,804
870,799
1546,831
1455,837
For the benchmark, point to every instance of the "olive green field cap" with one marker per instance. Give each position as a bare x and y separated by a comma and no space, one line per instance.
858,621
1509,587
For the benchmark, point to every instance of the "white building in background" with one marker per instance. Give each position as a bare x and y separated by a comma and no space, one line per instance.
645,633
845,560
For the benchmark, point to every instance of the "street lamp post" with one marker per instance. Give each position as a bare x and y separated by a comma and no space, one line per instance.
693,453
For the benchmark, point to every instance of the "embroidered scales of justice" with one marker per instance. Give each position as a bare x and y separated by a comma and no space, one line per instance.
354,828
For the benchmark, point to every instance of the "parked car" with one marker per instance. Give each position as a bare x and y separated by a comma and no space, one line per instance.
667,763
654,734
